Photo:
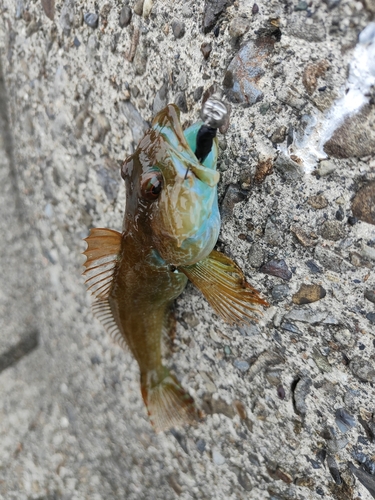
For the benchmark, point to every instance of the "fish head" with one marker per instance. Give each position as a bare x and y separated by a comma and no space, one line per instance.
171,196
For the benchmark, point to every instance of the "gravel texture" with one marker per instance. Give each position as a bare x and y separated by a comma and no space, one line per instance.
289,400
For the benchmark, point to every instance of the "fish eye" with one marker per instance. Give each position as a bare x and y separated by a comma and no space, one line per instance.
151,185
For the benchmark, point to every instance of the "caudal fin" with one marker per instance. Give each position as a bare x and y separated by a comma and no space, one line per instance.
168,404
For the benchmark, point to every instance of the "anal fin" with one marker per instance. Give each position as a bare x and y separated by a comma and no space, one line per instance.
225,287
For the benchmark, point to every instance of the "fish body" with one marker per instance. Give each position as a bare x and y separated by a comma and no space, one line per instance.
171,225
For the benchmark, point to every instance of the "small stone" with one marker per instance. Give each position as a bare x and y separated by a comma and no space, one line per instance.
352,221
308,294
190,319
255,9
301,392
371,317
147,8
238,27
329,259
298,28
340,214
314,268
280,292
233,195
344,420
332,230
311,74
289,327
344,337
273,377
256,255
91,19
370,295
178,28
279,135
212,11
363,204
307,316
138,7
263,169
318,202
321,361
301,6
180,101
272,235
277,268
76,42
245,69
355,138
125,16
217,457
201,445
334,469
367,252
290,170
244,481
263,108
363,369
243,366
368,480
197,94
325,168
302,237
206,49
49,8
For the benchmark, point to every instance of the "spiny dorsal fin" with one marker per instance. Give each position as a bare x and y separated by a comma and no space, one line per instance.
103,248
225,287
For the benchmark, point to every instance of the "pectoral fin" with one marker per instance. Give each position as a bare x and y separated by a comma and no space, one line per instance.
225,287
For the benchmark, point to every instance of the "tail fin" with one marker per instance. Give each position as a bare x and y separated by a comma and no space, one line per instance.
168,404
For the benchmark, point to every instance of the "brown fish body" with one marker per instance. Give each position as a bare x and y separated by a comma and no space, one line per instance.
171,225
142,297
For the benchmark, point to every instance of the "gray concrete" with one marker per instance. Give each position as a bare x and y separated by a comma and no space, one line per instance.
72,422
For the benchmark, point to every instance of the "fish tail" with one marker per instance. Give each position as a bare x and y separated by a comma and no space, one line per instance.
168,404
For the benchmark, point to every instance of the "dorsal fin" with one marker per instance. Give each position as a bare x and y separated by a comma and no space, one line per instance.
225,287
102,252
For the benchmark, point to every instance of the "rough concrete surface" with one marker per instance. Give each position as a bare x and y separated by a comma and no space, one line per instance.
290,400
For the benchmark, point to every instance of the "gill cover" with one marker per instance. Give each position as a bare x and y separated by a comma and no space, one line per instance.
183,220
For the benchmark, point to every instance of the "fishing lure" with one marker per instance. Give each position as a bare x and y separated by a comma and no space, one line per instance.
170,228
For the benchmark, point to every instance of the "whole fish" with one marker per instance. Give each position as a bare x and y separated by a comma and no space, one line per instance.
170,228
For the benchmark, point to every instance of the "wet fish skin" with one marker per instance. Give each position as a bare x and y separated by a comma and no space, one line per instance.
171,225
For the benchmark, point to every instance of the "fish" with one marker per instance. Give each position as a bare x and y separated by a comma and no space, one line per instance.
170,228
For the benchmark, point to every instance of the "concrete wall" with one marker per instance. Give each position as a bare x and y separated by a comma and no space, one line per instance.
289,401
